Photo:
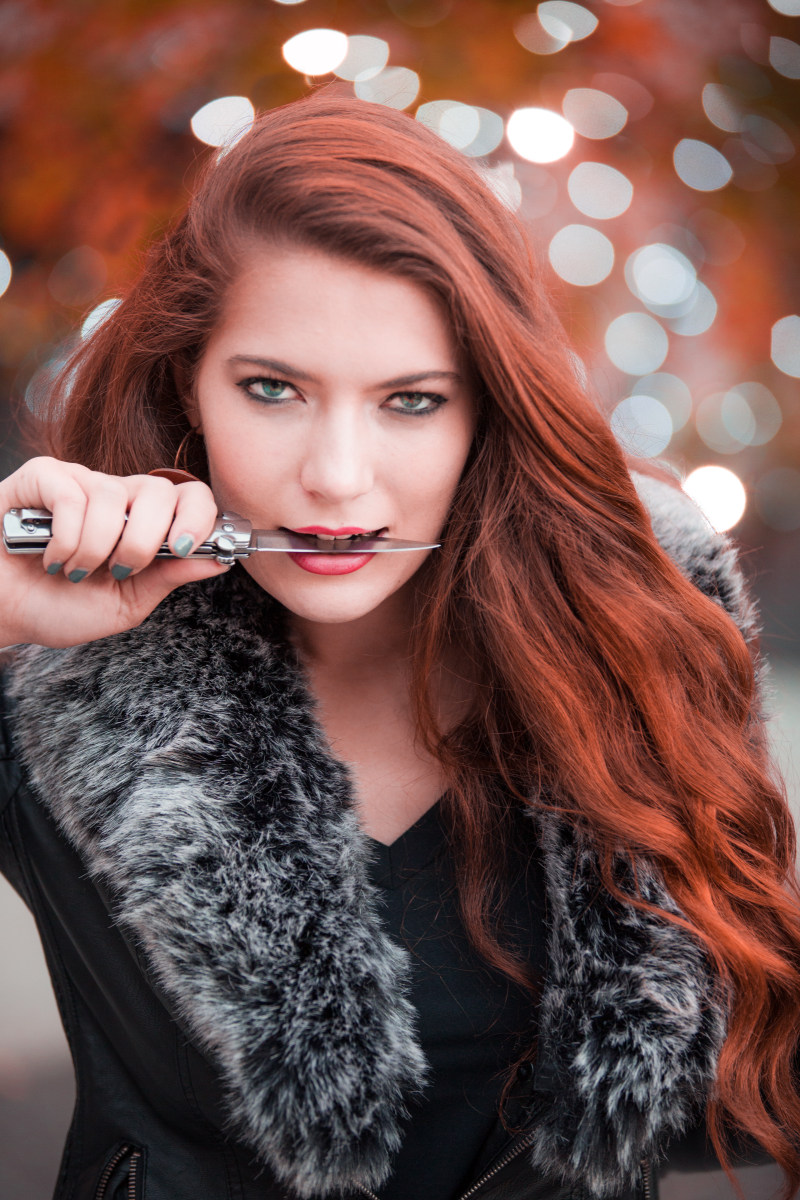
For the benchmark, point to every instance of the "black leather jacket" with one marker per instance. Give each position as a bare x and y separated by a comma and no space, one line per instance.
237,1018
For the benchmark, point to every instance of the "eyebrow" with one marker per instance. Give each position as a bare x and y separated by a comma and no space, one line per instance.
282,368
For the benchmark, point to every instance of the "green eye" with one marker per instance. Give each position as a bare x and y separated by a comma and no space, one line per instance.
418,402
270,387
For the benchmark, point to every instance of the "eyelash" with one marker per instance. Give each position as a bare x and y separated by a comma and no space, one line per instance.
438,400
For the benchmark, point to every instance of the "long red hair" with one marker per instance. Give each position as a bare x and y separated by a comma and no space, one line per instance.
607,683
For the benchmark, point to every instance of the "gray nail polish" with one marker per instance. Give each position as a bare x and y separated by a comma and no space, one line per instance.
77,575
184,544
54,568
119,572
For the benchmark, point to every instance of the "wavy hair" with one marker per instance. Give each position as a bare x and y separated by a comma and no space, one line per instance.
609,687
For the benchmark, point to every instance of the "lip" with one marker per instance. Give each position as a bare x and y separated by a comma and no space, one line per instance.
333,564
324,529
330,564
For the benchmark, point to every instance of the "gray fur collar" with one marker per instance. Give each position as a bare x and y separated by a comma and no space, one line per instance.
183,761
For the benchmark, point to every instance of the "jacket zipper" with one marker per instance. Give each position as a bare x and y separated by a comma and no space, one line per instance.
498,1166
133,1174
109,1169
647,1191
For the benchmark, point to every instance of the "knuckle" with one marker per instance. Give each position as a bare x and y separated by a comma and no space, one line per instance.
136,550
112,491
157,485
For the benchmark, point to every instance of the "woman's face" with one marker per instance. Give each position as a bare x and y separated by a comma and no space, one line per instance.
333,396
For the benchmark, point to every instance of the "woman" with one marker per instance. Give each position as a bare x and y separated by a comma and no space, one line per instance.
459,872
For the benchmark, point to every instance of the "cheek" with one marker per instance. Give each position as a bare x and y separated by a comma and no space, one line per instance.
431,476
244,470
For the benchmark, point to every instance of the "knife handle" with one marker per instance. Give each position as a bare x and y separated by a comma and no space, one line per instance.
29,530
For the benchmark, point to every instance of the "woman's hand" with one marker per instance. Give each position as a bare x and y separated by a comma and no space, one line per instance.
98,575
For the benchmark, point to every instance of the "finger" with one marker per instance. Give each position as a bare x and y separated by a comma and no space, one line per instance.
103,523
150,517
195,518
45,482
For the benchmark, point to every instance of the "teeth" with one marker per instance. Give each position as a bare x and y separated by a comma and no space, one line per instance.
342,537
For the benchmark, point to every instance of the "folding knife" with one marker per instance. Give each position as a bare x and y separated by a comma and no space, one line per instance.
28,531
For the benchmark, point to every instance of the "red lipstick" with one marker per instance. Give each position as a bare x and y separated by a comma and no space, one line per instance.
324,529
332,564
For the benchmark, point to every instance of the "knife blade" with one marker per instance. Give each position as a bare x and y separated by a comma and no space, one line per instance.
29,531
295,543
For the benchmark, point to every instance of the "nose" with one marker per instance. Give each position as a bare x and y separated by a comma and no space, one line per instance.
338,458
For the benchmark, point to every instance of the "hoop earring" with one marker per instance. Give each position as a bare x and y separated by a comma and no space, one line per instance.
183,450
177,473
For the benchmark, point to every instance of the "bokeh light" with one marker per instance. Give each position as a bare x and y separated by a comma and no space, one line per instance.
98,314
503,181
5,272
475,131
365,57
719,493
696,316
396,87
789,8
785,350
539,135
642,425
671,391
222,121
315,51
765,140
725,422
660,275
636,343
490,133
784,56
594,114
559,17
457,123
700,166
581,255
531,33
723,107
765,410
599,191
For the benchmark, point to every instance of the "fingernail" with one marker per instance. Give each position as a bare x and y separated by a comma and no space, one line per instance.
119,572
54,568
184,544
77,575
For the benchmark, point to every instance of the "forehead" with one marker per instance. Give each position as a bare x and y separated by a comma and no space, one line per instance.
300,300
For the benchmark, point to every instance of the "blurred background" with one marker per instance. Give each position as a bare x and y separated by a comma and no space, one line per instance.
650,146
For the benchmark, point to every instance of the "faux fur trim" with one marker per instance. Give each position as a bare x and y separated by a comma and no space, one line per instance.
631,1023
184,762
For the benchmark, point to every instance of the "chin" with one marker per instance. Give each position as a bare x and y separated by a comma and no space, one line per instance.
326,600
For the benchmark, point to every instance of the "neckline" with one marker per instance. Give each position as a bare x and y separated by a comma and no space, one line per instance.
407,832
390,865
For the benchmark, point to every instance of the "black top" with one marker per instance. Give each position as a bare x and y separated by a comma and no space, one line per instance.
474,1022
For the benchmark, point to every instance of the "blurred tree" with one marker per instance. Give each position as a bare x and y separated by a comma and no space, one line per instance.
97,154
